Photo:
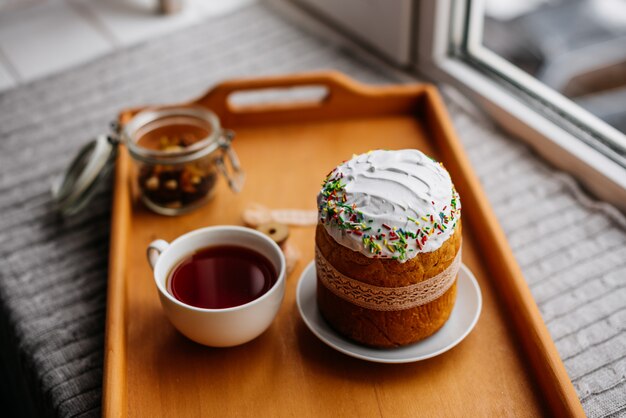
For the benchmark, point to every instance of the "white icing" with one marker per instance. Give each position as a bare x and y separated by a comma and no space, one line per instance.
388,187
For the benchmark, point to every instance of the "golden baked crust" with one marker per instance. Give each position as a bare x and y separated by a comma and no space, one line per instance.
386,328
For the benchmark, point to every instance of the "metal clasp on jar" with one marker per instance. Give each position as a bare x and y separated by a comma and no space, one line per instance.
236,177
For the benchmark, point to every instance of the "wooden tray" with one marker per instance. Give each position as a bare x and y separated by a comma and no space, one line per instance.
508,366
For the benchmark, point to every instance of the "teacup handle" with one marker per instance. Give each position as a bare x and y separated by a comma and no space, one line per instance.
154,251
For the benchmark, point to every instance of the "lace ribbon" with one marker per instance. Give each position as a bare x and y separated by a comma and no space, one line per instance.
385,298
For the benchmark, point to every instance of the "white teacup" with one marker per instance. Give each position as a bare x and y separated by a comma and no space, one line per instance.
218,327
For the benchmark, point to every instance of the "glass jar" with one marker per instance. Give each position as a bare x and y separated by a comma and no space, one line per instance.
178,154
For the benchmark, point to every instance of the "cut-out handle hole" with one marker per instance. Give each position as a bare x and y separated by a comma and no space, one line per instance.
257,99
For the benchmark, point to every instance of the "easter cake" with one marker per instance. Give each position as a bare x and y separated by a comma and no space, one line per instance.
388,247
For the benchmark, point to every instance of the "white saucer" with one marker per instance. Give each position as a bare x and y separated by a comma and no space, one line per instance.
462,320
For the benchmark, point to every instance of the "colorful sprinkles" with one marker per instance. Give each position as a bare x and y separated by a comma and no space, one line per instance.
334,210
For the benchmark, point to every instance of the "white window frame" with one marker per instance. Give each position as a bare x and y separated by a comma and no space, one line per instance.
438,28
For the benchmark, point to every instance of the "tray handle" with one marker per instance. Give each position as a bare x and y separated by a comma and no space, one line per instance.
344,97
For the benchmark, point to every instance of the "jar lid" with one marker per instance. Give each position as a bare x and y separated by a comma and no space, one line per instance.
73,189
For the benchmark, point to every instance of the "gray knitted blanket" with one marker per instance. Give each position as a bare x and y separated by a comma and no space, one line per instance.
53,271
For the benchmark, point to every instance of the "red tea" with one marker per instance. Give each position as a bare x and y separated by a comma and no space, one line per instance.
221,277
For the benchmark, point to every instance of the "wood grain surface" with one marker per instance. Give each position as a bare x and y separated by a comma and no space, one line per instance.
507,366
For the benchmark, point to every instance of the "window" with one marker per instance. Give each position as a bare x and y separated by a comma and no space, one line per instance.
575,47
552,71
571,47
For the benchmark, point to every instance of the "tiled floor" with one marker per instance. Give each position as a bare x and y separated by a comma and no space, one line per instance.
42,37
